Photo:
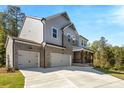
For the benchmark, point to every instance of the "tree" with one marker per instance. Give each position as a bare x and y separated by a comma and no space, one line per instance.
96,59
13,20
107,56
110,54
119,56
101,53
2,42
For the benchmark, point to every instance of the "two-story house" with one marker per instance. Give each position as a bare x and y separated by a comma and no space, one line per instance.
47,42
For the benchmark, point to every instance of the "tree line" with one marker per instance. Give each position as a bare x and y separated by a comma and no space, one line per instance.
107,56
11,22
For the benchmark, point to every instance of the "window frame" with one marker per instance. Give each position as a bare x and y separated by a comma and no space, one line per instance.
68,38
54,33
85,43
73,39
82,42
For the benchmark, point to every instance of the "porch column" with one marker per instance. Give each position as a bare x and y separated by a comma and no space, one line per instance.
82,56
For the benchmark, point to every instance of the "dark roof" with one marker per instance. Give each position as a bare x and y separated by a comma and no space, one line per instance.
56,45
30,41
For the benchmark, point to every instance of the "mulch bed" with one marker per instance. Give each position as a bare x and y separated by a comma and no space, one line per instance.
3,70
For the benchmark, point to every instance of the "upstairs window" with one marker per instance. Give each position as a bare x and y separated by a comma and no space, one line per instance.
82,42
85,43
54,32
73,39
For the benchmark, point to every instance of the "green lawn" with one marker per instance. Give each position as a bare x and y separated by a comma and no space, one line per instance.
121,76
11,80
112,72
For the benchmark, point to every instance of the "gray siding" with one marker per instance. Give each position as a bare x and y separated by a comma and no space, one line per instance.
72,33
58,23
84,42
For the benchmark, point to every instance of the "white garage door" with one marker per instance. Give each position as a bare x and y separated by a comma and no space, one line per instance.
58,59
28,59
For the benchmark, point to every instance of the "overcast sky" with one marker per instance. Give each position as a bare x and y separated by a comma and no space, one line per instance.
91,22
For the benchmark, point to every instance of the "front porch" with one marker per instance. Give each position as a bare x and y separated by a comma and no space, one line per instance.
82,57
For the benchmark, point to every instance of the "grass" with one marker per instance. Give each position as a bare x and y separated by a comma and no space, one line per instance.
114,73
11,80
120,76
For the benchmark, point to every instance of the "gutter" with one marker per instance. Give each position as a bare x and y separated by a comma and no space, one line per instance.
43,20
44,45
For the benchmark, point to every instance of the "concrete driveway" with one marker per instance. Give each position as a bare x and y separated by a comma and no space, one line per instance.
69,77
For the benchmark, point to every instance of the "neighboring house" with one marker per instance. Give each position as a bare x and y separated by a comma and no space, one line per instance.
47,42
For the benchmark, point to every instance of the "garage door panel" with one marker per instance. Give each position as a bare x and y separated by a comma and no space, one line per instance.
58,59
27,59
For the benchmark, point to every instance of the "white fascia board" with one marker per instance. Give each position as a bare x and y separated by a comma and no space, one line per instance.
81,50
27,43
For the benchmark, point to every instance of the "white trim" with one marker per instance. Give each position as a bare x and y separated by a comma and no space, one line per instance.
67,26
55,46
27,43
38,59
68,34
52,32
81,50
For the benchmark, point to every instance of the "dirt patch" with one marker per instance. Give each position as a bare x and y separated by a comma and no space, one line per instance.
3,70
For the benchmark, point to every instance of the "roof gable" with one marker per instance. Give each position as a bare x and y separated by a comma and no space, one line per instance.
64,14
72,26
83,37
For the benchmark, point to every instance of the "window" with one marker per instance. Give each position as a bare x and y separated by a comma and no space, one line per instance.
73,39
85,43
69,38
82,42
54,33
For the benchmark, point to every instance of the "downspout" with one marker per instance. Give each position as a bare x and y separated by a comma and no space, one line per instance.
43,20
44,56
62,37
44,45
13,54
